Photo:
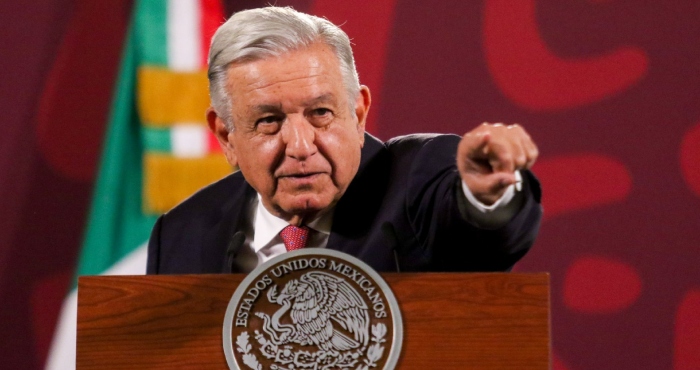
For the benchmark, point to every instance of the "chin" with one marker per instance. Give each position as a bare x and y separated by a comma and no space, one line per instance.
305,204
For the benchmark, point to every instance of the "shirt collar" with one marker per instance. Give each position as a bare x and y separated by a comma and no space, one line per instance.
268,226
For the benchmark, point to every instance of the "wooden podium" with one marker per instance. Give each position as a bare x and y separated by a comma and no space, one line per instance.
451,320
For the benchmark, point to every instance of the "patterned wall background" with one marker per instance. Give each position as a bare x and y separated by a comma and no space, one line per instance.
610,90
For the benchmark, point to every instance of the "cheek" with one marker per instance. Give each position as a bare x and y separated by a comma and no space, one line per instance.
257,159
263,152
353,163
344,153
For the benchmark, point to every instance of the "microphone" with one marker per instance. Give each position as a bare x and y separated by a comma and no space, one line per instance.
234,245
390,234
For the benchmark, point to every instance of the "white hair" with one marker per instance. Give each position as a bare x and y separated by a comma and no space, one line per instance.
256,34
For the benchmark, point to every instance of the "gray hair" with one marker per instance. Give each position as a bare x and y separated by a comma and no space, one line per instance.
256,34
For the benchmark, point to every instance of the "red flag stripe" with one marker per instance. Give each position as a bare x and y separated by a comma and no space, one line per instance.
212,15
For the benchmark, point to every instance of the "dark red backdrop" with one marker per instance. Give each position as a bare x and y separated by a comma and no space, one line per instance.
610,89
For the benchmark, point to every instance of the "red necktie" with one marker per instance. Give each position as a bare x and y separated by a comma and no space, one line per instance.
295,237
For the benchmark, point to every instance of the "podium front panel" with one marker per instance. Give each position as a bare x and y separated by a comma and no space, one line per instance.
451,320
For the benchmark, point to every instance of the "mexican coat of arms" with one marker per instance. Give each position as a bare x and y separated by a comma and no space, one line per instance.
313,309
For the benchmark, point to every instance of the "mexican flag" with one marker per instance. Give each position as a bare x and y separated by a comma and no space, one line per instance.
157,149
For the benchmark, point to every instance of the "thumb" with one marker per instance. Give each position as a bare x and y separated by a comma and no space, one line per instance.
488,188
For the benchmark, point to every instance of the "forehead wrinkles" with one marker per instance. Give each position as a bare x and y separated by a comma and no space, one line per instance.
285,68
294,89
294,84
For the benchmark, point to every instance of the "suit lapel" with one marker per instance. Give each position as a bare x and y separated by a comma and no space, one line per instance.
351,221
231,219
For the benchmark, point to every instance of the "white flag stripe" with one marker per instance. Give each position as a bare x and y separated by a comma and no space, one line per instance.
133,263
184,49
62,353
189,140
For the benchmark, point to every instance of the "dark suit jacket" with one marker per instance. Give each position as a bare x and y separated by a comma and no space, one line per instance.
410,183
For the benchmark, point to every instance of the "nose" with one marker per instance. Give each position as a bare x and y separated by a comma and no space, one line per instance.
299,136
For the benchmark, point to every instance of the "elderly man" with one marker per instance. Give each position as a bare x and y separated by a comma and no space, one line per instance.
288,110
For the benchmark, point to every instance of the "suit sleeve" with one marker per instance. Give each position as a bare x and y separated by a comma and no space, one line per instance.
450,240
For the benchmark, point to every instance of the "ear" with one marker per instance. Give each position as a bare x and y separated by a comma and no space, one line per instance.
362,104
218,127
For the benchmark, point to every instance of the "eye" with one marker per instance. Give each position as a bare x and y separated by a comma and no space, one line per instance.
321,117
267,120
268,124
320,112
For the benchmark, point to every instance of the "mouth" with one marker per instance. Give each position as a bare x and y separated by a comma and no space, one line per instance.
301,179
301,175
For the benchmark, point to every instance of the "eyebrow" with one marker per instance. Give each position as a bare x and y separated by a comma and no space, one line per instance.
266,108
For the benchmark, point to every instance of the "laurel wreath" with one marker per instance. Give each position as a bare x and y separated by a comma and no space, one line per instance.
244,347
374,352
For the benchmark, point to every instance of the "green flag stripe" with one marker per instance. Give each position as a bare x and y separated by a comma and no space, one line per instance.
156,139
116,225
152,30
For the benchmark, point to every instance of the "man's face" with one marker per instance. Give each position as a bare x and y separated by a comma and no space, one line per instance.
295,138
